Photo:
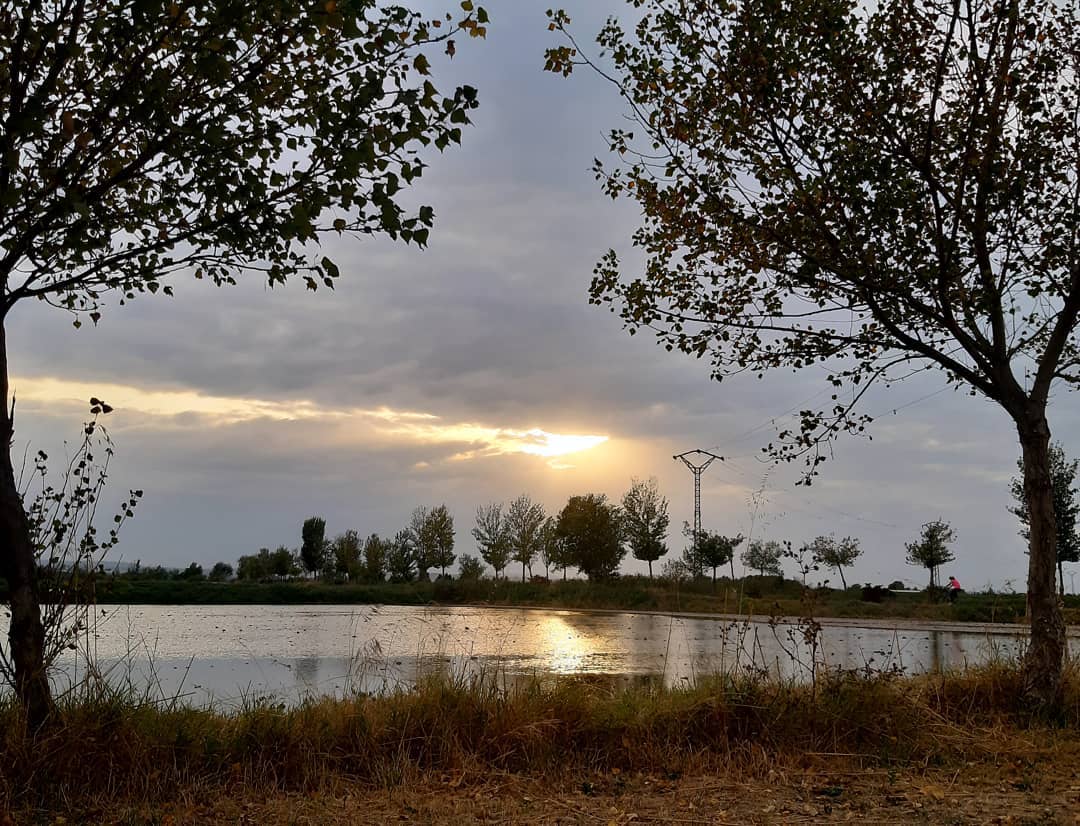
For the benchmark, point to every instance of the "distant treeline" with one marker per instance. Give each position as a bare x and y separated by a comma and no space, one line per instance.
590,535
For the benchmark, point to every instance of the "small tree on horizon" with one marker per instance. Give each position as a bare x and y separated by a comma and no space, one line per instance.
221,572
931,550
470,569
422,541
645,520
283,563
1066,508
550,548
491,536
714,550
313,544
192,573
764,557
590,531
831,553
524,521
345,550
401,558
375,554
439,532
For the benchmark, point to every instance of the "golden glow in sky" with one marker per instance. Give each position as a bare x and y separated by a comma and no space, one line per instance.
477,440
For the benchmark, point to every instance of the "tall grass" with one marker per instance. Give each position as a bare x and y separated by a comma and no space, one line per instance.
109,746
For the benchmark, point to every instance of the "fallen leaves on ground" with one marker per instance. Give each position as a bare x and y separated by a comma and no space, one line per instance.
978,793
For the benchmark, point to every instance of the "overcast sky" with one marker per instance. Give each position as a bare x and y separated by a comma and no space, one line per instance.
426,376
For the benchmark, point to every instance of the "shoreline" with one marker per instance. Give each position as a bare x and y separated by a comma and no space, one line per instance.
876,623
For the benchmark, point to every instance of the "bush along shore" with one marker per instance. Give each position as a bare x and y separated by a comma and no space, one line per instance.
768,595
107,753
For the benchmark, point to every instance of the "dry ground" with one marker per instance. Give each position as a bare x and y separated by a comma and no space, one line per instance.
1011,791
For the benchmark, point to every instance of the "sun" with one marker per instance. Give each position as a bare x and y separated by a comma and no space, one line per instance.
541,443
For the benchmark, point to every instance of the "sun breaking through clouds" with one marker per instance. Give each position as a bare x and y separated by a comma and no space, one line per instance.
477,440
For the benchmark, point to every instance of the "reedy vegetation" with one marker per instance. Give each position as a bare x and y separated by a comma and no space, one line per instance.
135,751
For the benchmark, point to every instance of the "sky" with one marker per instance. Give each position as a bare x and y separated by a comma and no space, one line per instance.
475,370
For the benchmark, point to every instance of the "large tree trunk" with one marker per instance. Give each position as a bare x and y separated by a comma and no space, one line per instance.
26,635
1045,657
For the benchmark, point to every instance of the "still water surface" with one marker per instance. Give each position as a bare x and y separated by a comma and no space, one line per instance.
223,654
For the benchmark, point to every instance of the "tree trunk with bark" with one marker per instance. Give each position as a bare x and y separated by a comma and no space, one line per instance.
18,565
1044,661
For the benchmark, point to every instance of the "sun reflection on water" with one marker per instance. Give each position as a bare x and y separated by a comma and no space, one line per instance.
564,650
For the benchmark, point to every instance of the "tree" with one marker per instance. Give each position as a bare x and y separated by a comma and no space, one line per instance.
346,554
827,551
524,523
254,568
714,550
804,559
192,573
550,548
931,550
221,572
440,533
869,189
491,536
589,529
313,544
1062,481
645,521
676,570
470,569
554,551
375,558
216,137
764,557
423,542
283,563
401,558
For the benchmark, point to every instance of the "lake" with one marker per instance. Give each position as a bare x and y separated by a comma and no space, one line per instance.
224,654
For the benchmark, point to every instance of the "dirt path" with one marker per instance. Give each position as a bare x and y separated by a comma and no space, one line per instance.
1009,793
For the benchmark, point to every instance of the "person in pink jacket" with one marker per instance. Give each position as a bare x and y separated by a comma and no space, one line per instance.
953,588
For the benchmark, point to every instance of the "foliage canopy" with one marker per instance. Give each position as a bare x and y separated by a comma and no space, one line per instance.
870,190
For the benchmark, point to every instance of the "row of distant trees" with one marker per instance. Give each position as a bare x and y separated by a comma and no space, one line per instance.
590,533
594,535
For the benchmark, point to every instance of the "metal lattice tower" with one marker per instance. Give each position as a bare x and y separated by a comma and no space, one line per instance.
697,461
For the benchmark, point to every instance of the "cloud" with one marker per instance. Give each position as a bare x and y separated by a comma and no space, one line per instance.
181,408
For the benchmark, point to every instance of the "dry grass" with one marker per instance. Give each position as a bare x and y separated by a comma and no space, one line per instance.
108,749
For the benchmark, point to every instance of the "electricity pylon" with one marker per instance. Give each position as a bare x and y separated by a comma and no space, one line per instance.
702,459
